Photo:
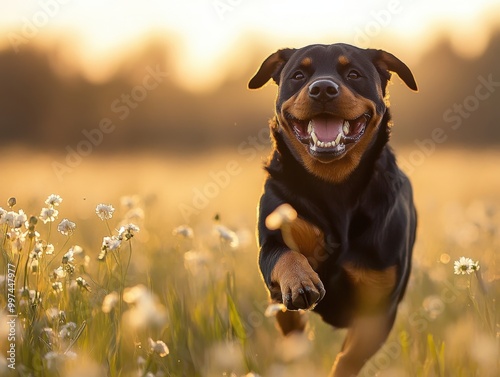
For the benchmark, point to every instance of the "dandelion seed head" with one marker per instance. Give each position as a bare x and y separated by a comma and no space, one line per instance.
48,215
104,211
66,227
158,347
184,231
53,200
8,218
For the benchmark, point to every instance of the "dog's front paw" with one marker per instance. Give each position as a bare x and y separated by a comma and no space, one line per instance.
295,283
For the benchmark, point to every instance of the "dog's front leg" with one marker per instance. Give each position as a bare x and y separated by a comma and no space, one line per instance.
294,282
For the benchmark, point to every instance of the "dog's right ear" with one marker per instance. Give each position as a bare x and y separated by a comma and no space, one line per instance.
271,68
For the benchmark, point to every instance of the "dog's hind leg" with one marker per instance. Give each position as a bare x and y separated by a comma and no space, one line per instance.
290,321
364,338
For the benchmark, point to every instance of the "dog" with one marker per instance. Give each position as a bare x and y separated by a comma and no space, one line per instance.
337,221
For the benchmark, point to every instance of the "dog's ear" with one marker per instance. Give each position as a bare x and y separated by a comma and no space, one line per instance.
385,61
271,68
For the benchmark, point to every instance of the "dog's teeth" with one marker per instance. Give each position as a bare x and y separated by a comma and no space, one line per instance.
314,137
337,140
329,144
345,128
309,128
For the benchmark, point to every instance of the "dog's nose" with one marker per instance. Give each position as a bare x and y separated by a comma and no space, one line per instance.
323,90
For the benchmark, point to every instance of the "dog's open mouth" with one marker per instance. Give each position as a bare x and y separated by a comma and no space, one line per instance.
327,134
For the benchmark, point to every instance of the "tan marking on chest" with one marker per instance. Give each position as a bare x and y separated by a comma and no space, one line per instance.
372,287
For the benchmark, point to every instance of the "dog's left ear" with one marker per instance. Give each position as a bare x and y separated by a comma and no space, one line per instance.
385,61
271,68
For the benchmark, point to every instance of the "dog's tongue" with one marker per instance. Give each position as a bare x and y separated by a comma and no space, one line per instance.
327,128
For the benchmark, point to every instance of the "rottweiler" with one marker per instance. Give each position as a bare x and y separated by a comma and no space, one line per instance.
337,220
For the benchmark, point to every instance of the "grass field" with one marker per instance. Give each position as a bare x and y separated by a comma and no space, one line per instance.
201,294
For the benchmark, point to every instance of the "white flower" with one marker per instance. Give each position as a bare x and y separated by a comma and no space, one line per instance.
194,261
2,213
57,287
158,347
110,302
68,257
183,230
104,211
53,200
59,273
49,249
83,284
465,266
20,219
127,231
111,243
8,218
66,227
48,214
228,235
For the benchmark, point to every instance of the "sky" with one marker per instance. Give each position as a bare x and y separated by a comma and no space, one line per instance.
206,32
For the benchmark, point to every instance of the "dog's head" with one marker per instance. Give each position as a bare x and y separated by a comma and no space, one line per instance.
330,102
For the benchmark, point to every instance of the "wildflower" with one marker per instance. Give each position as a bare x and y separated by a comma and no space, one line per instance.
66,227
57,287
59,273
67,330
83,284
158,347
20,219
465,266
8,218
227,235
49,249
127,231
110,302
281,215
48,214
53,200
104,211
68,257
183,230
2,213
273,309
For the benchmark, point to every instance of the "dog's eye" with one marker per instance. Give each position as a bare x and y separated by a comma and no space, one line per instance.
298,75
353,74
